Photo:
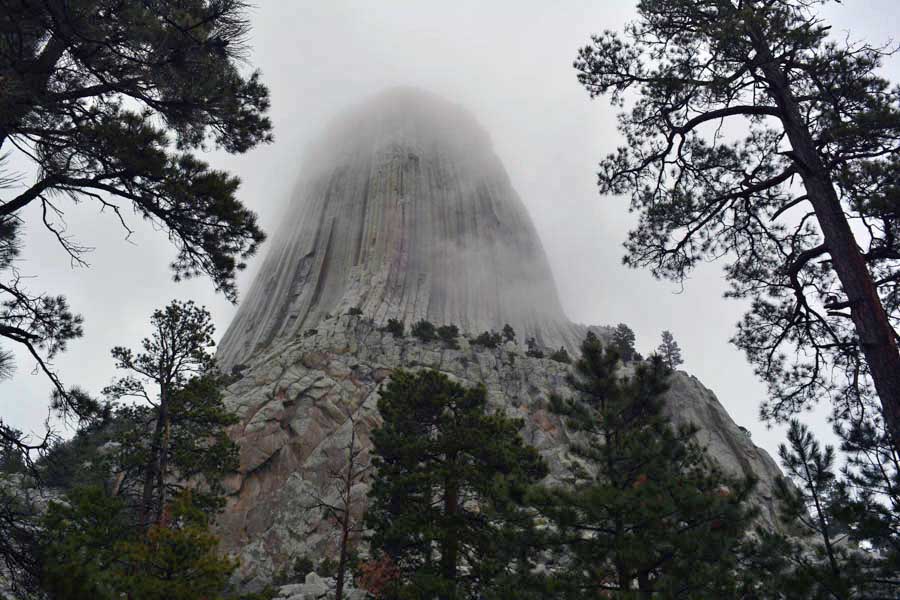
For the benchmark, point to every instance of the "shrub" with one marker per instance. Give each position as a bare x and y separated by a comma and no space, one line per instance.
533,350
425,330
488,339
310,332
394,327
509,334
448,334
355,311
561,356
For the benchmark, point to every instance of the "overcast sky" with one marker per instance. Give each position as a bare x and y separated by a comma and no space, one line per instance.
509,63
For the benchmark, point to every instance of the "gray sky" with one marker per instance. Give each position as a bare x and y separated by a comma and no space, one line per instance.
509,63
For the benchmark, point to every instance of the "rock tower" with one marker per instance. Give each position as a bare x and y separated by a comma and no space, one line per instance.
404,212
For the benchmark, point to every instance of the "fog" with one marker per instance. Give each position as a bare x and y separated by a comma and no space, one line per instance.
509,64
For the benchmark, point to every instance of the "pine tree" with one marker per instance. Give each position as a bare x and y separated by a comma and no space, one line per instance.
814,149
623,342
109,104
649,515
450,477
182,415
92,550
813,507
669,350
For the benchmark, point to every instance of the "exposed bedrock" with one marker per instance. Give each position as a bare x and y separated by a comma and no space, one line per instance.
403,211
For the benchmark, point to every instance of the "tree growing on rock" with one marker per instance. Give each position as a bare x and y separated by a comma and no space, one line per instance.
344,480
445,505
649,514
623,342
669,350
815,154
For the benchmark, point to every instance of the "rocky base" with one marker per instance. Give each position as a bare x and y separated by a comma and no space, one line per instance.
298,402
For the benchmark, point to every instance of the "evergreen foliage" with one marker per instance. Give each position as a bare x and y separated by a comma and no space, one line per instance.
178,432
649,514
394,327
509,334
669,350
488,339
818,150
424,330
445,507
846,538
561,355
623,342
532,349
110,103
449,334
355,311
93,550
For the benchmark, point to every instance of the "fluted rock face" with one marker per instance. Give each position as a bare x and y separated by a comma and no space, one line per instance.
405,212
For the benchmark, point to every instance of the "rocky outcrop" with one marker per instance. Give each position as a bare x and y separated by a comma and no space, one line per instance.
404,212
298,401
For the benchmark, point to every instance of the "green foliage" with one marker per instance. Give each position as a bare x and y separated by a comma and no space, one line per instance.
846,526
394,327
92,550
488,339
451,478
509,334
812,149
669,350
449,334
663,521
182,411
623,342
533,349
424,330
561,355
108,104
355,311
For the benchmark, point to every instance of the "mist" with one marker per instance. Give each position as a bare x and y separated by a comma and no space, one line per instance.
509,64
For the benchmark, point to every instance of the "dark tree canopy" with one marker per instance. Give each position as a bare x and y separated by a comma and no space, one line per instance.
754,136
109,101
669,350
177,430
446,500
649,516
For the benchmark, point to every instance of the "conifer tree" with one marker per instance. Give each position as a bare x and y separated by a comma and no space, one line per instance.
649,515
182,414
92,550
756,137
450,477
845,539
623,342
108,104
669,350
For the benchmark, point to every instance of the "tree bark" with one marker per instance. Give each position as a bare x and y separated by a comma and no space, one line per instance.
873,329
450,547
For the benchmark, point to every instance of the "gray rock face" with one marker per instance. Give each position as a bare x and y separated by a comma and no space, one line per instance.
405,213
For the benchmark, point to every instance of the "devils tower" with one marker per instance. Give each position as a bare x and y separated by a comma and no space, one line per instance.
402,211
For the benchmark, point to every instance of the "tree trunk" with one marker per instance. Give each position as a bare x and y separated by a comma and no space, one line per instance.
876,336
163,469
150,473
450,546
